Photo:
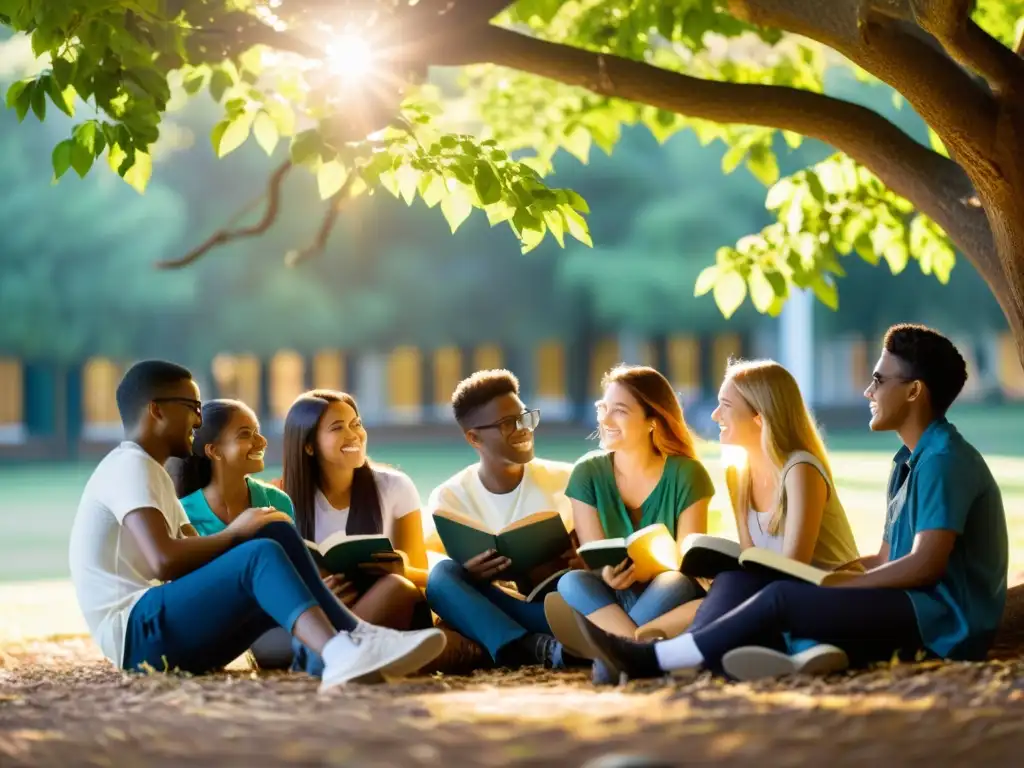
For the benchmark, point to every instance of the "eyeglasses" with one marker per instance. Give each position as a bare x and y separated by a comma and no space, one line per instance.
878,380
195,405
512,424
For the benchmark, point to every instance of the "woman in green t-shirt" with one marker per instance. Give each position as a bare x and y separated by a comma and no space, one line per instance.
645,473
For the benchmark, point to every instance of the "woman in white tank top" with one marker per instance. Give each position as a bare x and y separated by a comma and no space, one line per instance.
780,483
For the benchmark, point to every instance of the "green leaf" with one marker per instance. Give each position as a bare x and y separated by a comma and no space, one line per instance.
762,163
39,98
486,183
63,98
141,171
82,158
456,208
194,82
24,101
61,158
793,140
408,179
730,290
577,226
307,147
282,115
577,202
578,144
733,157
16,90
761,292
706,280
265,131
220,82
556,225
936,143
234,133
329,178
826,292
85,135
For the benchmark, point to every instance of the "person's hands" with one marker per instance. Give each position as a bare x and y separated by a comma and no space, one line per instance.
619,577
248,524
486,566
342,589
573,560
385,563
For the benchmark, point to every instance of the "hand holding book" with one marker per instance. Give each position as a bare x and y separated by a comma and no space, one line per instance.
342,588
486,566
621,576
384,563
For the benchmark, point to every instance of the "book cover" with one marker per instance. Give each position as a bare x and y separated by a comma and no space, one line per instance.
772,564
340,554
704,556
652,549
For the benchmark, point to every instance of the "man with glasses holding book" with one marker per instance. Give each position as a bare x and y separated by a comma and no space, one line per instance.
508,483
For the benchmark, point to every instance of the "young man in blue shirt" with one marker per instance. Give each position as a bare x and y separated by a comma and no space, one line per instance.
938,582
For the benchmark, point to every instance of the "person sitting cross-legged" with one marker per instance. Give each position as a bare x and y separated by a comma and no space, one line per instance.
938,583
155,594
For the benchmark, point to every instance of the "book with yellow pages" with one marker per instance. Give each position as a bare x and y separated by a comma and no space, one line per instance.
706,556
530,543
652,549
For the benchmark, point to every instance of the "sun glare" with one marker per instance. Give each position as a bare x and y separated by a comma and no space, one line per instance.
734,456
350,57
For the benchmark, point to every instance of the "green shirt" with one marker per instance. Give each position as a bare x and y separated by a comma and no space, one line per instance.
260,495
683,483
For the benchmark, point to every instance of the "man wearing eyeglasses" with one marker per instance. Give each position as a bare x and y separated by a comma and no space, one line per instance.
507,484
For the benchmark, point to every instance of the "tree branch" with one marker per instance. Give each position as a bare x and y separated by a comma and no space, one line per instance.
334,207
869,33
227,235
935,184
949,21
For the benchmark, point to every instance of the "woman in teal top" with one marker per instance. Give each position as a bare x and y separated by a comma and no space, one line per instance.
215,486
646,473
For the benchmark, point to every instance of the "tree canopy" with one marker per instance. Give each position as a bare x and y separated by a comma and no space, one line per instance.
346,83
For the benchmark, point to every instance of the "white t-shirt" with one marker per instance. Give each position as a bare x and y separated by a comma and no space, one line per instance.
542,489
107,566
398,498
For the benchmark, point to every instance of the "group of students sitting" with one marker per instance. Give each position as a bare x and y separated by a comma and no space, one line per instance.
182,560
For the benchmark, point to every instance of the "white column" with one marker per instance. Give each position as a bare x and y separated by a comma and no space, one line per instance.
796,341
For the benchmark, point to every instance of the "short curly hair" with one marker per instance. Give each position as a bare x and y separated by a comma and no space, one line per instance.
930,357
479,389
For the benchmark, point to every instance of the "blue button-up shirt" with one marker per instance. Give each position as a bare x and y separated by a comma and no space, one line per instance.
945,484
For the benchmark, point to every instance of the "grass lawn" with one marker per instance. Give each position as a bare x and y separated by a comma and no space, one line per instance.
39,501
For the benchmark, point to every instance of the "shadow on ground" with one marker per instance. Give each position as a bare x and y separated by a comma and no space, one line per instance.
61,704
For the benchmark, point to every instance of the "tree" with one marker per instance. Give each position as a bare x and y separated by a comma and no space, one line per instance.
348,85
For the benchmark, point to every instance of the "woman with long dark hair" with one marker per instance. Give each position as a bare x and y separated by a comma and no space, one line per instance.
335,488
215,485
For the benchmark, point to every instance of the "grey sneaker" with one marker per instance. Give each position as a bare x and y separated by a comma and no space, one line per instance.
754,662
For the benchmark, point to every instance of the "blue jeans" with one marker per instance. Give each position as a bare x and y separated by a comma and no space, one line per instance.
586,592
482,612
209,617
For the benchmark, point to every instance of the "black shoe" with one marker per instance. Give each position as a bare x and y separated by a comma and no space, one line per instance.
619,655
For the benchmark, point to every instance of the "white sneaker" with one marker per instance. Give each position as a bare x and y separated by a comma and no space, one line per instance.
369,654
753,662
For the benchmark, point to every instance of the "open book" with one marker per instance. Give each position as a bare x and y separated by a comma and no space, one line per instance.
706,556
652,549
530,543
343,554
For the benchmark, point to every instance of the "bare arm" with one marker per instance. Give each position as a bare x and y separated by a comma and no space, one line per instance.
169,558
587,523
806,496
693,519
408,538
923,567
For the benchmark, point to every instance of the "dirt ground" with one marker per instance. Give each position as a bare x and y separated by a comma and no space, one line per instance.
62,705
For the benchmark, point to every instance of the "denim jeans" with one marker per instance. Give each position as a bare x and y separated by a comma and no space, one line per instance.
209,617
482,612
586,592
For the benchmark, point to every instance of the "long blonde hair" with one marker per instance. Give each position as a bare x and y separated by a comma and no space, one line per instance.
671,437
786,427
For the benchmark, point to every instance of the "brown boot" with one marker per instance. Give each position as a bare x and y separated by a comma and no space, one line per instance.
461,656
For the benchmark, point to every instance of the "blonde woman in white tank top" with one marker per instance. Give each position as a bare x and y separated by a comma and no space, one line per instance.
782,492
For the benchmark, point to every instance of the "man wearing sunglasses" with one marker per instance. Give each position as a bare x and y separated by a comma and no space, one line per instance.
507,484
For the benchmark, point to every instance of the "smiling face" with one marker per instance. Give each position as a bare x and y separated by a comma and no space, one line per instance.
240,446
738,424
502,430
340,438
891,393
621,421
176,416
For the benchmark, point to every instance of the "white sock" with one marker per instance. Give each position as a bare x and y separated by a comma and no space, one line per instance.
678,653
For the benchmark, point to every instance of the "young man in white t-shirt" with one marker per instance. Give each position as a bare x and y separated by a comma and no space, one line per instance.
507,484
154,593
